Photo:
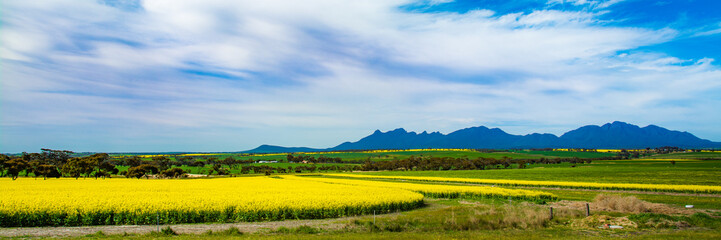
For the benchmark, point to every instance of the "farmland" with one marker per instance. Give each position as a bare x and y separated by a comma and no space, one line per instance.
684,171
414,201
70,202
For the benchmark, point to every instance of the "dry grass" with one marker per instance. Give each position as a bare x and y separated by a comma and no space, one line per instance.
629,204
596,221
523,216
624,204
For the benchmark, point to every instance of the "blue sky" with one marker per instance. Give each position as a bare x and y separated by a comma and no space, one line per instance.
222,75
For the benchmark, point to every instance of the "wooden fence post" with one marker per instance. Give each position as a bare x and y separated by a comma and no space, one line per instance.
588,210
551,211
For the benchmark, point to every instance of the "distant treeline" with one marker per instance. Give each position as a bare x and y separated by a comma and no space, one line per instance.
60,163
448,163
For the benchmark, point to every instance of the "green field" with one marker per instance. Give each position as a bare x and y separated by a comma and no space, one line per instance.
687,155
706,172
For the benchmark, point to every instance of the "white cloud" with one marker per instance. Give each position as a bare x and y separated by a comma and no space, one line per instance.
328,66
594,4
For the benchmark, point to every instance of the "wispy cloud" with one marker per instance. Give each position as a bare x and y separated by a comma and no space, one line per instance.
229,75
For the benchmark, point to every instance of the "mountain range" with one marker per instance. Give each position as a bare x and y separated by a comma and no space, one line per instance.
614,135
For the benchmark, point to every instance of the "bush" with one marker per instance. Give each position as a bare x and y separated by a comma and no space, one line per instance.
232,231
168,231
304,229
655,220
141,171
173,173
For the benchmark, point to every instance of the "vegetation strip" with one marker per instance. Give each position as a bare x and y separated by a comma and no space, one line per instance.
444,191
581,185
68,202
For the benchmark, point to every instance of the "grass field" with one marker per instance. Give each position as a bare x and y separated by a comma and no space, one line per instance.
673,200
688,155
704,172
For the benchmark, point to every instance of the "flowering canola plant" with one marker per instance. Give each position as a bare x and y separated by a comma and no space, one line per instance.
70,202
586,185
444,191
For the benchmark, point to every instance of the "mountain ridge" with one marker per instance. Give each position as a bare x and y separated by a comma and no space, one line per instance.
615,135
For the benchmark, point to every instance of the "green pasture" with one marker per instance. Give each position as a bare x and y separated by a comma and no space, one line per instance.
687,155
705,172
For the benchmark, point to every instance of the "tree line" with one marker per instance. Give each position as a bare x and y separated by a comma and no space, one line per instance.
56,163
448,163
60,163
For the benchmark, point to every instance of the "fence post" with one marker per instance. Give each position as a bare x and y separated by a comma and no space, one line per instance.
374,217
588,210
551,211
157,220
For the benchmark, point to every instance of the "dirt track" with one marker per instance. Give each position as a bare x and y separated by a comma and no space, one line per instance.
250,227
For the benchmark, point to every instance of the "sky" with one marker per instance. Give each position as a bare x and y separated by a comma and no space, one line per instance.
229,75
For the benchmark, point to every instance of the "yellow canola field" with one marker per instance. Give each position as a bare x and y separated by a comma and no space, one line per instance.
443,191
69,202
586,185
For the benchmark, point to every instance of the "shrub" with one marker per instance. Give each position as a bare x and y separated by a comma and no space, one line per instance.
232,231
174,173
168,231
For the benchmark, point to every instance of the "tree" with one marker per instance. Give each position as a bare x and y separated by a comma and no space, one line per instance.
33,160
56,158
197,163
76,167
230,161
521,164
3,164
101,174
15,166
133,161
174,173
107,167
142,170
219,170
162,162
47,171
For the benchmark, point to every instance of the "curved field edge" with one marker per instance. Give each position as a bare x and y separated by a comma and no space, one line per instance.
531,183
445,191
175,217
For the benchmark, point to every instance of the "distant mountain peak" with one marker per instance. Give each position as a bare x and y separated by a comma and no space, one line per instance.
614,135
399,130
